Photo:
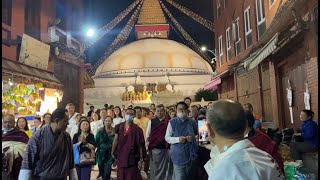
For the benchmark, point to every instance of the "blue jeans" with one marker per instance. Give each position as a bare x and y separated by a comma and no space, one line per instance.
182,172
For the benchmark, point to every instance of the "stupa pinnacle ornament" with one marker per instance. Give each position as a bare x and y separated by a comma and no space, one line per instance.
151,22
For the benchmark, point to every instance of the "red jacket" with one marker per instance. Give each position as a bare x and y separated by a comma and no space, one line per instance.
265,143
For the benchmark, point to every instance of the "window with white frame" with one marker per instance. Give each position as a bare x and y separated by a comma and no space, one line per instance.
228,44
218,8
247,27
236,36
261,22
220,51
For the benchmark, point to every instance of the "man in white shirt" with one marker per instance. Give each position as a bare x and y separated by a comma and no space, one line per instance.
235,158
181,134
71,114
99,124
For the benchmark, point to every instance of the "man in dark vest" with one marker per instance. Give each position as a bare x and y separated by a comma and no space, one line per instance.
181,134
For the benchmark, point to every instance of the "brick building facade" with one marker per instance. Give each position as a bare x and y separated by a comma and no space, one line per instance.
52,22
261,44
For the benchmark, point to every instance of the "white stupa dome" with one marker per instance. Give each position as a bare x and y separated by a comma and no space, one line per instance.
148,56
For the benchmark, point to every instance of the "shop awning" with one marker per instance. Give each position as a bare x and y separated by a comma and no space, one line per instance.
213,84
16,68
261,54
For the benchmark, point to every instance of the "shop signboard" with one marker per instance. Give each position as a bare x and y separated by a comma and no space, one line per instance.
34,52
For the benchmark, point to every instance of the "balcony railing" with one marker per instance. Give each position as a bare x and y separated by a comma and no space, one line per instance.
56,34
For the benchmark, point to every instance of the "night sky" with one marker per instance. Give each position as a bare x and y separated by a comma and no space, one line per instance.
98,13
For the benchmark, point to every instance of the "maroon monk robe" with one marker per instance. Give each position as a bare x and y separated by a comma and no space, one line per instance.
18,136
128,153
158,133
265,143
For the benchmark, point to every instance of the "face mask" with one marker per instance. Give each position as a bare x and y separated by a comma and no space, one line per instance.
7,130
128,118
182,115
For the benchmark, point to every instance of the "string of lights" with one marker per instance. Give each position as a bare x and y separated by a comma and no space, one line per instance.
105,29
120,39
193,15
184,33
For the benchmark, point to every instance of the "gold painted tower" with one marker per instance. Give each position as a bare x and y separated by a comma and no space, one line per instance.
151,22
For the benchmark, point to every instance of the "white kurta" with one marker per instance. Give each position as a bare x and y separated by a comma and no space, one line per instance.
72,122
243,161
98,125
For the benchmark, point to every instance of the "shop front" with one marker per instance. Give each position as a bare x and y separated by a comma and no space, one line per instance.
28,91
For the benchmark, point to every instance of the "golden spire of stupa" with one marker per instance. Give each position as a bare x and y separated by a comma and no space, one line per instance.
151,22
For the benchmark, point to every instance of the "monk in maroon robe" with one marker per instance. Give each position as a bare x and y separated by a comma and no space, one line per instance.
14,142
128,148
161,166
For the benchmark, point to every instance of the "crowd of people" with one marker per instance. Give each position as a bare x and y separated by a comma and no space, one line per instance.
161,141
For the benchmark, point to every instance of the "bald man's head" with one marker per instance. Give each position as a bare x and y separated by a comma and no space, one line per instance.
8,122
227,118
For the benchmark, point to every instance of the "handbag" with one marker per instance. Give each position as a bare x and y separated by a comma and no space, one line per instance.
87,158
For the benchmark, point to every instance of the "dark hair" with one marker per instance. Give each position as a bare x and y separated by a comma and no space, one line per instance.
70,104
91,107
82,117
45,115
26,127
187,98
227,118
183,103
145,109
98,113
137,107
131,109
120,112
249,105
106,105
250,118
58,115
195,106
38,118
153,104
309,113
160,106
84,120
202,111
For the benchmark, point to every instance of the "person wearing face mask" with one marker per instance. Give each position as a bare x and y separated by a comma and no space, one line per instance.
128,148
181,134
14,143
49,153
235,158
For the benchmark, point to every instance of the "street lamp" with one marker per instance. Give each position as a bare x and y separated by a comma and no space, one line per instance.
213,60
90,32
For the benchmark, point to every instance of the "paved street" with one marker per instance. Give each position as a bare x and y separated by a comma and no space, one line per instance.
95,172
